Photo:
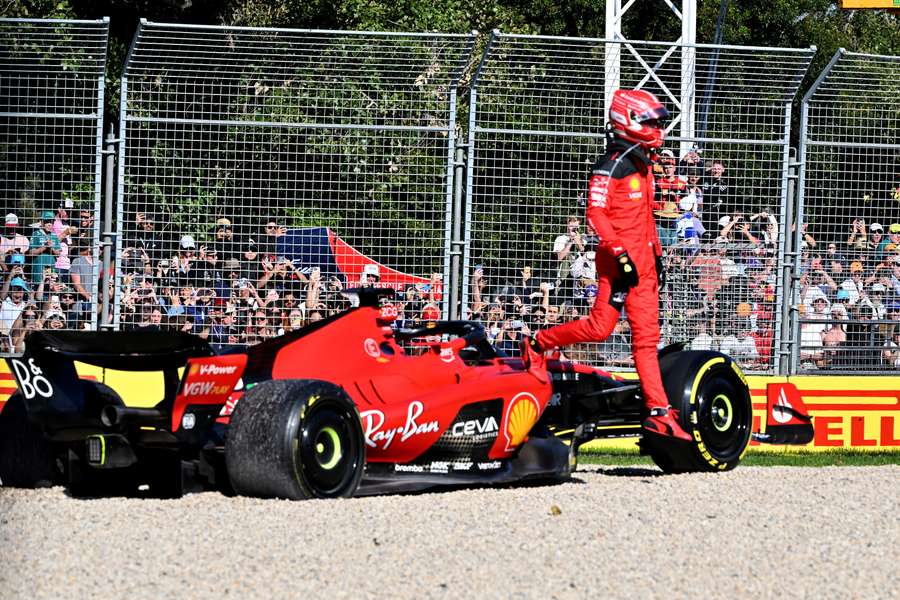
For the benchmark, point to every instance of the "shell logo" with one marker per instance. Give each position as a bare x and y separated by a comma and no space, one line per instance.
193,370
521,415
634,183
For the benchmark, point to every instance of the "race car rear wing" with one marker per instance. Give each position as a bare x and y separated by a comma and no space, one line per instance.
122,350
49,382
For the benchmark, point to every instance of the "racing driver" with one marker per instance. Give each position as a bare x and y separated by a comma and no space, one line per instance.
629,267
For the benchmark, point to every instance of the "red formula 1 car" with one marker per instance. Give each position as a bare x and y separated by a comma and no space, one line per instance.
347,406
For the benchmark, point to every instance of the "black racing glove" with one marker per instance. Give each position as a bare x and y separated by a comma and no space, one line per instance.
628,275
660,272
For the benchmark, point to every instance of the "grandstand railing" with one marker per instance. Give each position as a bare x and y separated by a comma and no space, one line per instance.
51,116
849,200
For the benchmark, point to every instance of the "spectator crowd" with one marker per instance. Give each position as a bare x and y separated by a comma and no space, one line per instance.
228,283
721,261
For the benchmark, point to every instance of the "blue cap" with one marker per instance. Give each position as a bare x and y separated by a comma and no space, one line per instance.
843,294
18,282
15,259
47,215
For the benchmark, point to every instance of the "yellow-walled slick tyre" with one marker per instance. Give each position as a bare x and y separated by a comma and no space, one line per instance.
713,402
295,439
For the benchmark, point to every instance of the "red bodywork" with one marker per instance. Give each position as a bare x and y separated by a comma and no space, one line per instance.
406,401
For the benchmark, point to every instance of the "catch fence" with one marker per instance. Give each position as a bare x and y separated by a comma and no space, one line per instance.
51,113
847,289
537,124
283,159
261,171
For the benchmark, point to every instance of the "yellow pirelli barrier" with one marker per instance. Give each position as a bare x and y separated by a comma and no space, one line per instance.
858,412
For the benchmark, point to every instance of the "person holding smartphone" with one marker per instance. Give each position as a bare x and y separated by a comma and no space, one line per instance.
14,294
629,255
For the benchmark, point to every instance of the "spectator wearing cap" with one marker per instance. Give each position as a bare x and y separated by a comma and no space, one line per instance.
187,257
251,262
854,285
67,302
44,248
12,241
876,297
54,319
14,292
83,278
370,275
61,226
893,237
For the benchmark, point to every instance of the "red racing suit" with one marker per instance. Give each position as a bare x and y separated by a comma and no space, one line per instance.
620,209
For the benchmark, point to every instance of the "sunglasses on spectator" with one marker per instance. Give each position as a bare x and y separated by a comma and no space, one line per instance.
271,226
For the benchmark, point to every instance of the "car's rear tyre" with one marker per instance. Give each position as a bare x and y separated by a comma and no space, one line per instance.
713,402
295,439
27,459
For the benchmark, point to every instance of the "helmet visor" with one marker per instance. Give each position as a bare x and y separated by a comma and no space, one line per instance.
658,114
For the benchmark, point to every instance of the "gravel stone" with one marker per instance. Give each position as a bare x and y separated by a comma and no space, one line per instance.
611,532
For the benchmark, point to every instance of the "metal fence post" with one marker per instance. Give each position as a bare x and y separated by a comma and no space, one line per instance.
457,243
108,227
785,340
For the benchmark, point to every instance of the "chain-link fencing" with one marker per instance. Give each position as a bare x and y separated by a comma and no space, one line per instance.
51,112
264,170
848,279
538,125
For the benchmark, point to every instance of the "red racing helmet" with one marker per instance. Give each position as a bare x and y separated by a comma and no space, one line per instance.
635,116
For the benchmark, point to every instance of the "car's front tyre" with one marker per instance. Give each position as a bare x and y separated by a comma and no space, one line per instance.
714,408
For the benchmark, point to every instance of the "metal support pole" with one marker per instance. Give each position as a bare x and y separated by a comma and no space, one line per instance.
457,243
107,227
789,274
